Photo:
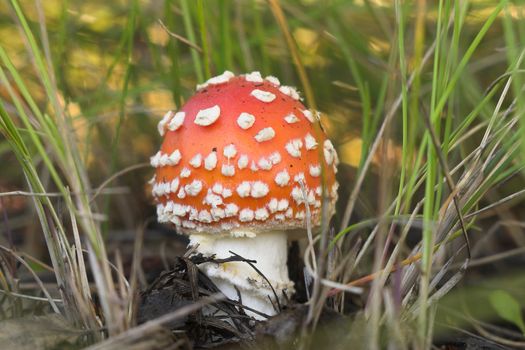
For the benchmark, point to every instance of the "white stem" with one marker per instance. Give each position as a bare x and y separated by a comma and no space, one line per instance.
269,249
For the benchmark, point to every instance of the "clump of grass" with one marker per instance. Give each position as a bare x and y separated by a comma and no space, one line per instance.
36,135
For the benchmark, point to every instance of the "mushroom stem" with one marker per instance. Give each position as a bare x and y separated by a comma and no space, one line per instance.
268,249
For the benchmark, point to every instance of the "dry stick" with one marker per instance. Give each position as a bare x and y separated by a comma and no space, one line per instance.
498,339
461,316
485,140
120,273
495,257
116,175
450,183
326,282
252,265
113,190
36,261
360,179
179,37
498,203
29,297
474,153
489,234
368,278
111,114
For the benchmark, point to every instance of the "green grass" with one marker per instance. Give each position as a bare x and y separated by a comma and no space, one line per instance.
438,85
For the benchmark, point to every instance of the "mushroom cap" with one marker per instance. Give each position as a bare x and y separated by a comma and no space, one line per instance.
243,154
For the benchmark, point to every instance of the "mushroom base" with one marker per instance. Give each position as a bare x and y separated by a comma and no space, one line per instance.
268,249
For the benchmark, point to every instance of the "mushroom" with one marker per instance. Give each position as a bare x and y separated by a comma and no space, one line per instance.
238,166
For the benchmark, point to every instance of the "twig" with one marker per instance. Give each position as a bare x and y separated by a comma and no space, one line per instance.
179,37
250,262
113,190
496,204
29,297
116,175
495,257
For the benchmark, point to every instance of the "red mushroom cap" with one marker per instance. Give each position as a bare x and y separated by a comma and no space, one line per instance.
235,156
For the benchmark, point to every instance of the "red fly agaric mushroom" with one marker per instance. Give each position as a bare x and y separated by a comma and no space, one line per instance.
239,163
